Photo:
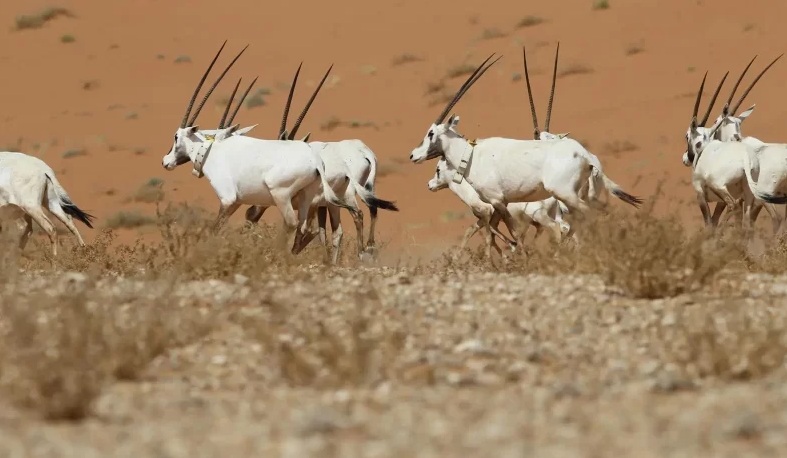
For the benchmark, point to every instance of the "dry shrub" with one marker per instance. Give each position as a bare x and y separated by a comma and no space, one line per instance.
190,249
61,345
187,249
359,350
733,340
634,251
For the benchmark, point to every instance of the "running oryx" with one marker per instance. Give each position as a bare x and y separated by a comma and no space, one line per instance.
504,170
251,171
342,159
28,186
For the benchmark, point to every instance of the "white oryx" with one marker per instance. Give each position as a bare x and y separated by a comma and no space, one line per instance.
721,170
343,159
721,165
504,170
544,213
767,160
244,170
28,186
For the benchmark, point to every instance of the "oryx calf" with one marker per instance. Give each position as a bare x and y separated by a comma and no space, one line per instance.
541,214
504,170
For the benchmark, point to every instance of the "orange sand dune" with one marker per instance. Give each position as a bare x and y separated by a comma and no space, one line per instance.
117,93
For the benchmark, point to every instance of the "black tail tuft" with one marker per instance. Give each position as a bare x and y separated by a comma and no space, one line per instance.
771,198
628,198
376,202
71,209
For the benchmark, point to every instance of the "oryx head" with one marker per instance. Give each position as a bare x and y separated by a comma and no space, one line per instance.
188,132
539,134
697,135
442,176
440,133
283,134
730,123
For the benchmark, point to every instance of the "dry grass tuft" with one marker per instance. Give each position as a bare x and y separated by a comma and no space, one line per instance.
62,344
38,20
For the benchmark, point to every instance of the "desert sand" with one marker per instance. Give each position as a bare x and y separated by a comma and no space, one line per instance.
113,95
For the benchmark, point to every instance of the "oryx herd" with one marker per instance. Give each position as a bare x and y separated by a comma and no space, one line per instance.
520,182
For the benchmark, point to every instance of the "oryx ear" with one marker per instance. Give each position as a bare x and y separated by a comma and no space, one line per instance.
232,129
192,130
283,135
563,135
453,121
306,137
746,113
245,130
693,123
726,110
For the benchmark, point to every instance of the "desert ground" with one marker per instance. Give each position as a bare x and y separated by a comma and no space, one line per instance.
651,338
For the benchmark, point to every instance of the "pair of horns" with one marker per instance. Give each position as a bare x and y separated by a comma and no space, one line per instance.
712,100
536,130
467,84
228,122
732,110
283,135
190,122
727,108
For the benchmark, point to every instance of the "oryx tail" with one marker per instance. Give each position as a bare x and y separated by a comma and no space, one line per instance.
751,164
614,188
371,200
57,194
328,192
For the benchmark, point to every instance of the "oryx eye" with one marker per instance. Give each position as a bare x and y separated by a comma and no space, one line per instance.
698,144
430,134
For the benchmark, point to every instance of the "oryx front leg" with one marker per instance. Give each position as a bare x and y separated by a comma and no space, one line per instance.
226,209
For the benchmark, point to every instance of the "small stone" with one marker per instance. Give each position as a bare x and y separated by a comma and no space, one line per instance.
669,319
219,360
241,279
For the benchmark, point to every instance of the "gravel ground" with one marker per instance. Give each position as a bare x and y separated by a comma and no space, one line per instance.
386,362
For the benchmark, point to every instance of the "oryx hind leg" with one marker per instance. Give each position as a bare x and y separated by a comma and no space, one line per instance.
57,211
322,217
38,215
337,233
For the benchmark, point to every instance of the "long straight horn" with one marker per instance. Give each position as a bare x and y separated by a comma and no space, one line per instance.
748,89
552,92
240,102
737,83
713,101
289,102
467,84
530,96
699,96
210,91
308,105
199,86
229,104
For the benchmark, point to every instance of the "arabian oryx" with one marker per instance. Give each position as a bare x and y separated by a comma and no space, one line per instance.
767,160
599,182
720,169
545,213
245,170
504,170
27,187
342,159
